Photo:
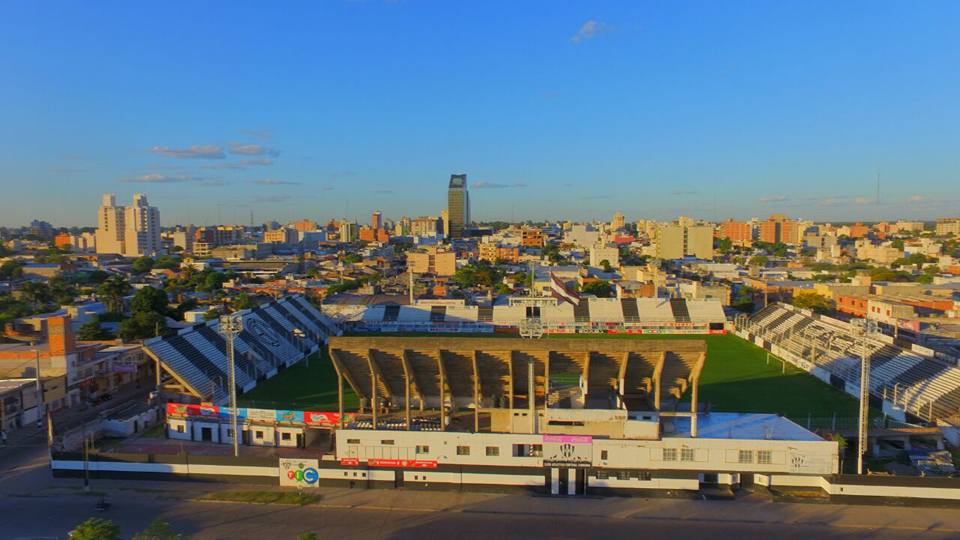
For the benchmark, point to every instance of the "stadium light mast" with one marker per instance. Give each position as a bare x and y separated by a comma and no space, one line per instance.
862,328
230,326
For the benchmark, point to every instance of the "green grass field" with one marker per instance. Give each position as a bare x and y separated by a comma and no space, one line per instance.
736,378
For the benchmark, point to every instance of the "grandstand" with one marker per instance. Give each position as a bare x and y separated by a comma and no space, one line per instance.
275,335
922,386
634,315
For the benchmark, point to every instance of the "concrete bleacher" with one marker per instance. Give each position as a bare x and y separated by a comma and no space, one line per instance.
196,356
923,386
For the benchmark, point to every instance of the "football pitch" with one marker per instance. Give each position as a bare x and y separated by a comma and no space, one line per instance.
736,378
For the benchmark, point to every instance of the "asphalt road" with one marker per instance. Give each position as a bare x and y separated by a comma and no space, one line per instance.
35,505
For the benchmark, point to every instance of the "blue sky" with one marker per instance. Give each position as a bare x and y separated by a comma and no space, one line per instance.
554,109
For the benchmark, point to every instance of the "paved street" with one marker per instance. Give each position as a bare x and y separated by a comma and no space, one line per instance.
36,505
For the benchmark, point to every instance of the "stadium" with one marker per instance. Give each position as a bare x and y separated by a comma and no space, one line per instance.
572,413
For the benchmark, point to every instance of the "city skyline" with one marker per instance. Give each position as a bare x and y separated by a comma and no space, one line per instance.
654,111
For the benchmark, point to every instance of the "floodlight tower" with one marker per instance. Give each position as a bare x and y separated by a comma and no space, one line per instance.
230,326
862,328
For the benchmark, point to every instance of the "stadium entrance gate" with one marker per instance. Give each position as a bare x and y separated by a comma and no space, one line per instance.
565,480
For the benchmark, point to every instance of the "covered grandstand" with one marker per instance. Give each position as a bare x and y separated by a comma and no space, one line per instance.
900,379
496,376
274,336
635,315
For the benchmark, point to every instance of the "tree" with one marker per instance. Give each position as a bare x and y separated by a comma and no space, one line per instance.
62,291
142,265
724,245
11,270
481,274
812,301
599,288
212,281
92,331
759,260
150,299
157,530
112,291
243,301
167,262
211,314
308,536
36,293
142,325
606,265
95,529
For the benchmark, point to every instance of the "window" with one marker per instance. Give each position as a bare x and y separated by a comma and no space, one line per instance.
493,451
623,475
686,454
422,449
603,455
180,429
602,475
746,456
353,441
229,432
285,436
669,454
258,434
764,457
536,450
463,450
386,441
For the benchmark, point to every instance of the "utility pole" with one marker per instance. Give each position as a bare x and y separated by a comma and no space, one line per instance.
230,326
39,386
863,328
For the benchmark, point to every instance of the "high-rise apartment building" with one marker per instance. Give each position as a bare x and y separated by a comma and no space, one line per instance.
458,206
132,231
617,222
740,233
376,220
778,228
675,241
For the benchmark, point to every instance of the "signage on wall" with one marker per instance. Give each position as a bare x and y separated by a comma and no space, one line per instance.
309,418
403,463
299,472
567,450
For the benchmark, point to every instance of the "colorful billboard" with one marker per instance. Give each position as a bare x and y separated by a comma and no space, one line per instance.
299,473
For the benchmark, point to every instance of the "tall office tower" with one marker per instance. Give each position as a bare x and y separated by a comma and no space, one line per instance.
458,206
141,228
617,222
110,227
376,220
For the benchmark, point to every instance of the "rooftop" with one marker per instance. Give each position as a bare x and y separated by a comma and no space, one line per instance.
725,425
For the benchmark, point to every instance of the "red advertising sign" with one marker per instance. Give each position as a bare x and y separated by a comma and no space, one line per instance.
190,409
349,461
314,418
403,463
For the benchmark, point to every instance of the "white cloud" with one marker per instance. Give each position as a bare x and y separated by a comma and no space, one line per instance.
483,184
196,151
158,178
589,30
272,182
252,150
773,198
916,198
243,164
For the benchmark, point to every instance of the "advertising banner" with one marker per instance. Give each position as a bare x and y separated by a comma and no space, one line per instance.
316,418
403,463
567,450
300,473
189,409
289,417
266,415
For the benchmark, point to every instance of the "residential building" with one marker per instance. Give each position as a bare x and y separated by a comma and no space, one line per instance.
376,220
947,226
348,231
494,252
602,252
617,223
432,260
531,238
303,225
676,241
458,206
425,226
282,235
740,233
63,240
132,231
221,235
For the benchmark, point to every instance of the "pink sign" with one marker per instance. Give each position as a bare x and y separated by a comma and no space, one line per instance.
568,439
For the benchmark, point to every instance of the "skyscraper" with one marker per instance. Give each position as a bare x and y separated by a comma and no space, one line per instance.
458,206
376,220
618,221
128,230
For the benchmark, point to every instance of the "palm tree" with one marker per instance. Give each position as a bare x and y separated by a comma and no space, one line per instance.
112,291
